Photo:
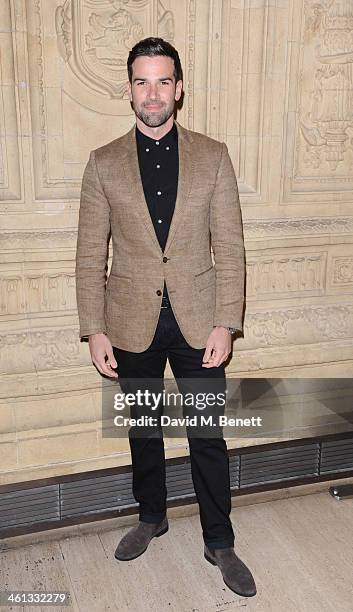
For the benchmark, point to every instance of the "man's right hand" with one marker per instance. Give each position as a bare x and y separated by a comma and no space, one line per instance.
100,347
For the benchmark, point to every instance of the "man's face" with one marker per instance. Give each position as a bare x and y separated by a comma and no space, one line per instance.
153,91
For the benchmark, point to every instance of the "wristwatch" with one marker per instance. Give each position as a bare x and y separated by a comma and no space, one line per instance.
231,330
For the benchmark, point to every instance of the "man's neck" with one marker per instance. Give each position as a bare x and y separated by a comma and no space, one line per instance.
155,132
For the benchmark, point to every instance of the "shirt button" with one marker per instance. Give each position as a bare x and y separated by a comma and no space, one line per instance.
167,148
157,142
159,220
165,259
159,193
158,166
159,292
147,150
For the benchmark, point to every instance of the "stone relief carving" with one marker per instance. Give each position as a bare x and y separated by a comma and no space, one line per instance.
55,348
11,295
343,271
273,228
277,275
43,150
14,241
293,227
273,276
327,126
165,23
273,327
11,119
95,36
58,348
48,292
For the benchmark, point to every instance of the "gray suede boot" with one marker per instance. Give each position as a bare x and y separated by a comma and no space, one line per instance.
136,541
235,574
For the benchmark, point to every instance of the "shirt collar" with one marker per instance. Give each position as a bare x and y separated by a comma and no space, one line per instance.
169,138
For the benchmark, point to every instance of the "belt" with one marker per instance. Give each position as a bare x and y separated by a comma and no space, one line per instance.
165,302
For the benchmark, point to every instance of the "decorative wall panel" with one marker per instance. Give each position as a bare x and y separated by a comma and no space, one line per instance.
319,154
10,165
77,54
272,79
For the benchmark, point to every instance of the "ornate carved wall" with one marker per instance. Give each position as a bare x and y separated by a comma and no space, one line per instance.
274,79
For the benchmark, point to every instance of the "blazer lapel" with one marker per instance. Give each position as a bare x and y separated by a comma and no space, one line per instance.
133,176
184,181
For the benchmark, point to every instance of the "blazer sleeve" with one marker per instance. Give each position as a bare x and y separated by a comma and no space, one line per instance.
92,251
228,245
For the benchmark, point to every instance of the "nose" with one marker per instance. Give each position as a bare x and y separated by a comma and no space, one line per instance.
153,93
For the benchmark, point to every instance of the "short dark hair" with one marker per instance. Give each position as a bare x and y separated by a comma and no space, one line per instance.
152,47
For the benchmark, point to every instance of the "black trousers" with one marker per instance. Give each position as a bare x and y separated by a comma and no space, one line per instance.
208,456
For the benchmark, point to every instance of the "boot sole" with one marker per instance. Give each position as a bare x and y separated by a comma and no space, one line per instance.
157,535
226,583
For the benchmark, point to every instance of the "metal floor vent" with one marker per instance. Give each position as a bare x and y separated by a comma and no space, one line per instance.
336,456
93,495
29,506
234,465
179,481
279,464
70,500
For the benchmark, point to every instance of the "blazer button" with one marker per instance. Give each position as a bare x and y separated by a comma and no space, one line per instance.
165,259
159,292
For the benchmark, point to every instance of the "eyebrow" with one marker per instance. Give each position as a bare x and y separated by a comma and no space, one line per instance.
144,79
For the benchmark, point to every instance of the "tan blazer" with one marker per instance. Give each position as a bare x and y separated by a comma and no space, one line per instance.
207,212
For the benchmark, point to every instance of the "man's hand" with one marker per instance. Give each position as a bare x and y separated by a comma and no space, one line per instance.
100,347
218,347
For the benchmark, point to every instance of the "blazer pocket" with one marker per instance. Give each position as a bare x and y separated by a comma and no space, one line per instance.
205,278
119,286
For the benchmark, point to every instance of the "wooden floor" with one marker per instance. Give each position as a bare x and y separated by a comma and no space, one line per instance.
300,551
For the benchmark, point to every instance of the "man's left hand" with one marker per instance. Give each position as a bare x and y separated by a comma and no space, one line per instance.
218,347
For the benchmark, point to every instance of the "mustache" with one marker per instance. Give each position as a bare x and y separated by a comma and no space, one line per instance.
153,103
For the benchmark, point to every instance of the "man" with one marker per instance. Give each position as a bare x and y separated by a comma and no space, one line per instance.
166,194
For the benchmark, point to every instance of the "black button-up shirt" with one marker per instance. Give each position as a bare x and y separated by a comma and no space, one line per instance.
159,169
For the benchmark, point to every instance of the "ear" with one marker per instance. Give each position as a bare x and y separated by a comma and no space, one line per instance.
178,90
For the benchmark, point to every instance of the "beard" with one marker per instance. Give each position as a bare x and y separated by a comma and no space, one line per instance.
155,118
